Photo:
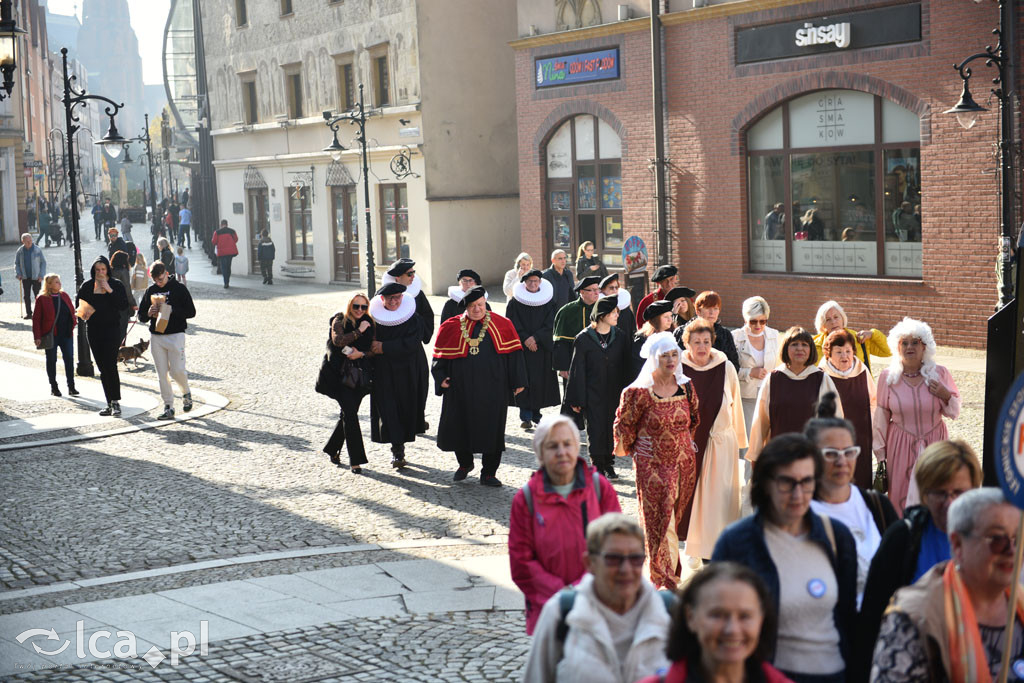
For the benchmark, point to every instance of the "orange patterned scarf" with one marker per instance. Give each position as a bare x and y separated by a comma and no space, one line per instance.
967,658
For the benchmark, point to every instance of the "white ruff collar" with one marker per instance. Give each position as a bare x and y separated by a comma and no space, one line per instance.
538,298
624,299
456,294
411,289
382,316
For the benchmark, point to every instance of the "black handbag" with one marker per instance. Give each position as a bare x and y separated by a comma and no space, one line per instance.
46,342
354,376
881,481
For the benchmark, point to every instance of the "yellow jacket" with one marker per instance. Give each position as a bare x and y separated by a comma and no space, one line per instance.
876,343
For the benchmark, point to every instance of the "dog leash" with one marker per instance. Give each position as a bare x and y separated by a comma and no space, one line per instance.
129,330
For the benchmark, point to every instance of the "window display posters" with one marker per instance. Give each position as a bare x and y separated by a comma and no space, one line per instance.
634,255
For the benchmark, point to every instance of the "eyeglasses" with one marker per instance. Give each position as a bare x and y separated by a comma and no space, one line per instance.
590,290
943,496
787,484
1000,544
760,322
359,307
614,560
834,453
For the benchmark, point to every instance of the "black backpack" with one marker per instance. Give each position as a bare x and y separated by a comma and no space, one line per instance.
567,597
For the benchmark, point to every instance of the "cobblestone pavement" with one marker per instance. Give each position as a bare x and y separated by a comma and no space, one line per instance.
252,478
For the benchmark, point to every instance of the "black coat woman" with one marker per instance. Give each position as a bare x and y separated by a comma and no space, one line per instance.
345,376
106,300
597,374
532,311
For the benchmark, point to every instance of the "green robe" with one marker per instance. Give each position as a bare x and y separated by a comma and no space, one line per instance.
569,321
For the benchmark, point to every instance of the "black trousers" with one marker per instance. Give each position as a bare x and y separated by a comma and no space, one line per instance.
97,226
490,462
30,290
225,268
267,271
347,429
104,345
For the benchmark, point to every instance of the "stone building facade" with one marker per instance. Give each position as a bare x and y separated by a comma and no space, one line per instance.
436,74
887,205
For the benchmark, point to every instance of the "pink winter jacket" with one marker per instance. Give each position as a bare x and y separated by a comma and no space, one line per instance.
546,549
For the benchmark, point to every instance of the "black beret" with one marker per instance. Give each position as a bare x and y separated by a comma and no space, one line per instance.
531,273
400,267
391,288
614,277
679,292
664,272
657,308
604,306
472,295
468,272
586,282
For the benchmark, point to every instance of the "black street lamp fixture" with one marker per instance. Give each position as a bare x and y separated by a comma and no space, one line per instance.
357,116
1005,348
127,155
112,143
9,38
147,141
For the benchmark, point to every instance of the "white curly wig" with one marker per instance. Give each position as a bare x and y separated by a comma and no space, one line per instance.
819,317
915,329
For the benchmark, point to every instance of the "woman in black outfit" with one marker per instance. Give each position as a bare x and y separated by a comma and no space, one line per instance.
108,298
120,270
354,330
588,263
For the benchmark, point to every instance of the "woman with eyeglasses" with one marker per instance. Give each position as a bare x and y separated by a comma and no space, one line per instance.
807,560
613,626
758,348
914,394
348,344
856,389
944,472
951,624
866,513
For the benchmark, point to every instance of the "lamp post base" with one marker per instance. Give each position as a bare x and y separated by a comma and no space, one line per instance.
85,369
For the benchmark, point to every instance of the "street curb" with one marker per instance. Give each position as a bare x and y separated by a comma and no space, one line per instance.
208,402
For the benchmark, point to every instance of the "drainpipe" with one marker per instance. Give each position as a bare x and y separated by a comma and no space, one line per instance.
659,129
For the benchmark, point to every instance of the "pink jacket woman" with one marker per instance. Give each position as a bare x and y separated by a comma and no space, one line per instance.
546,547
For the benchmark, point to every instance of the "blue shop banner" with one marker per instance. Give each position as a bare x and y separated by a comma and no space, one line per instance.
583,67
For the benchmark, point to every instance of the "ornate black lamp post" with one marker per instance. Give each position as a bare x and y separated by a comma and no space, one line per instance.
145,139
9,33
1005,348
112,142
357,117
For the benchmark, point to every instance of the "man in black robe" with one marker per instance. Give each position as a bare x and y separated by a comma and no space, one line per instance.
403,272
627,319
478,368
600,359
399,371
532,310
467,279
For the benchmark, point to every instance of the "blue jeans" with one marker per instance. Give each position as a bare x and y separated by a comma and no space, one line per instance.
225,268
67,352
529,415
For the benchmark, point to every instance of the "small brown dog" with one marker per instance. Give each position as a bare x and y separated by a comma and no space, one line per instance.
133,353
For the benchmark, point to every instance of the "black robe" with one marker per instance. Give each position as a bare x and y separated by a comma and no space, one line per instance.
636,363
426,315
399,381
536,322
474,406
627,322
596,379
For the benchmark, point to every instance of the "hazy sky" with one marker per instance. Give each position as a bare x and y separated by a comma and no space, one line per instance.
148,19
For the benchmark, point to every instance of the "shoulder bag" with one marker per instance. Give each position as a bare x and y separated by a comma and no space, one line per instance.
881,481
354,375
46,343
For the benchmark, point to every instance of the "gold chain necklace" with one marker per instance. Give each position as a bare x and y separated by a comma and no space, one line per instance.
474,344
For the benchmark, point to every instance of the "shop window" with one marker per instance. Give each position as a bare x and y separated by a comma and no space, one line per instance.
394,222
833,185
300,221
584,188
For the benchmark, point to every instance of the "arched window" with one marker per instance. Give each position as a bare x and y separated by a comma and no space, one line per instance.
584,192
834,187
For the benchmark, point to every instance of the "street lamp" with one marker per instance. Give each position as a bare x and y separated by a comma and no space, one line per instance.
111,142
357,117
147,141
9,33
1005,349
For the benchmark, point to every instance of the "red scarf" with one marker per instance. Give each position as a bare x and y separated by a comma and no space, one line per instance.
450,343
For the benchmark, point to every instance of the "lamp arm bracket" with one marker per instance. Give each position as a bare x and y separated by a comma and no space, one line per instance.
989,55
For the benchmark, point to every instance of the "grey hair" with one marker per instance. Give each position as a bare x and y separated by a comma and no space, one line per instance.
162,242
755,305
547,423
966,509
522,255
912,329
819,317
556,252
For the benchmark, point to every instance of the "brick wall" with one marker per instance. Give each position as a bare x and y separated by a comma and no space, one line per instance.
711,102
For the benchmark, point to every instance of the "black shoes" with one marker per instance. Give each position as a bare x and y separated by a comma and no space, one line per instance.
168,414
115,407
526,424
489,481
54,391
461,474
609,473
106,412
72,391
398,463
335,457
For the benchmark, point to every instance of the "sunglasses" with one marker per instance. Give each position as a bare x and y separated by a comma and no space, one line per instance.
1000,544
614,560
760,323
359,307
834,453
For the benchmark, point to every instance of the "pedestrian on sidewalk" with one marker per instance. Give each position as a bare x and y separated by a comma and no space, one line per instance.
166,317
184,226
403,272
225,242
120,270
109,216
116,243
166,255
29,266
56,314
106,298
265,253
523,264
140,276
345,377
478,368
97,219
181,266
126,229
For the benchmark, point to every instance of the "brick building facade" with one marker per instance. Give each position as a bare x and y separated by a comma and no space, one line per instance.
900,203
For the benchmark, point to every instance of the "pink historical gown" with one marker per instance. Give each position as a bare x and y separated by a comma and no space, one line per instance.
907,420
